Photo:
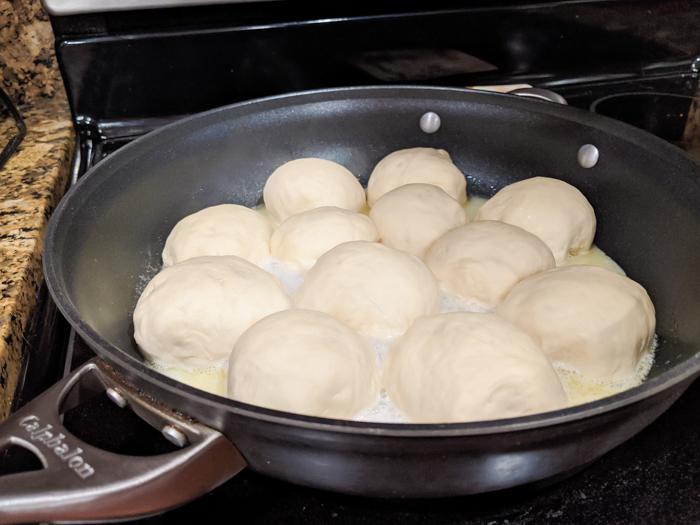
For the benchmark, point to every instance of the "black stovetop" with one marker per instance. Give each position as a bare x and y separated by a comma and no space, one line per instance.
653,478
122,80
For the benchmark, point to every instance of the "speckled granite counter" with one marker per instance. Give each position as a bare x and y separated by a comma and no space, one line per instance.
31,184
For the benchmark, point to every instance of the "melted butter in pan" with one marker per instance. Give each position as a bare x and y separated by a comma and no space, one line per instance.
581,389
212,379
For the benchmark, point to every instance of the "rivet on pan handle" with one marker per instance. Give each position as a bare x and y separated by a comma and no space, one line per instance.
82,483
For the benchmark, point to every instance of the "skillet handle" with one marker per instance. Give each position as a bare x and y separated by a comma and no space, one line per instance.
81,483
540,93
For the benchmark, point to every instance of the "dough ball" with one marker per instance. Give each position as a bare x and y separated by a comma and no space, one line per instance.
467,366
377,290
302,238
227,229
191,314
482,261
426,165
553,210
319,367
304,184
412,217
585,317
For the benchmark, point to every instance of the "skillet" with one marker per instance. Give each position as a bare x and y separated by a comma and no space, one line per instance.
104,243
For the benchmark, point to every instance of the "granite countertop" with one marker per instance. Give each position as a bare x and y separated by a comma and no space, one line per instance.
31,184
34,178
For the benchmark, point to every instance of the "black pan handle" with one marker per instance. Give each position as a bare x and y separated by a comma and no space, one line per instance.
82,483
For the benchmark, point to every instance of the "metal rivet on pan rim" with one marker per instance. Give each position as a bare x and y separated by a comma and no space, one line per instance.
588,156
176,436
430,122
117,397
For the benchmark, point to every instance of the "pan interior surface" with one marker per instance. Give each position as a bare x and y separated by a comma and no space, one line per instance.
106,238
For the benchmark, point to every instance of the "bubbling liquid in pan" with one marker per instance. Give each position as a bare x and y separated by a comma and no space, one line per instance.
579,388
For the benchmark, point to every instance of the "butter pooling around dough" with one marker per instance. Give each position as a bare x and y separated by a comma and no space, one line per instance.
377,290
226,229
302,238
481,262
306,362
417,165
468,366
304,184
552,209
412,217
585,317
191,314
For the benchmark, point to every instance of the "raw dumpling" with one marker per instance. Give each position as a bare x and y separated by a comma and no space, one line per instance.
227,229
467,366
426,165
553,210
305,362
377,290
585,317
304,184
481,262
302,238
191,314
412,217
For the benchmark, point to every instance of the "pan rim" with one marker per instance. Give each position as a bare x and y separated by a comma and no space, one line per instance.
137,369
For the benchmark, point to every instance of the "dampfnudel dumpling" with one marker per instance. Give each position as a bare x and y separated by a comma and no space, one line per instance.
377,290
585,317
552,209
306,362
417,165
304,184
467,366
191,314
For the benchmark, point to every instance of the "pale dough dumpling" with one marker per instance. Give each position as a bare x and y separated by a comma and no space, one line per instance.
304,184
412,217
377,290
226,229
191,314
426,165
466,366
553,210
585,317
305,362
302,238
481,262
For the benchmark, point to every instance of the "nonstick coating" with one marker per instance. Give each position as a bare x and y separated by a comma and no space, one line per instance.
105,241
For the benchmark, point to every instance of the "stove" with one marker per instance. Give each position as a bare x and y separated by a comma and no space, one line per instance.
128,72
